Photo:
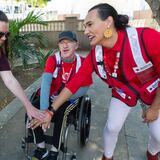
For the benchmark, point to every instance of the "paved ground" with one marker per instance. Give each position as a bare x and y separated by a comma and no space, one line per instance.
131,144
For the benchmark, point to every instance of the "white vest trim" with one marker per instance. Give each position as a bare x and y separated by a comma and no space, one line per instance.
136,51
58,60
78,64
99,58
153,86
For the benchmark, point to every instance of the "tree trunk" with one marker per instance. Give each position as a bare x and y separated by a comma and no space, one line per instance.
155,7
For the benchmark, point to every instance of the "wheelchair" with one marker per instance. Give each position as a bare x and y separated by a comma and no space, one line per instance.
79,116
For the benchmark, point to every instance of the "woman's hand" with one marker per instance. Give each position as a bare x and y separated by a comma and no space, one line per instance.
34,123
150,114
153,112
48,119
33,112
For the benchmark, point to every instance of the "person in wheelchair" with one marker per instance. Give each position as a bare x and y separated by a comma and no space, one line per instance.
59,70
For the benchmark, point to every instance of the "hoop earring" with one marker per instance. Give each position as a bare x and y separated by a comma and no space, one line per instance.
108,33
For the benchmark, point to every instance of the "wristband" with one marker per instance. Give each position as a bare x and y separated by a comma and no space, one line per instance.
49,112
53,110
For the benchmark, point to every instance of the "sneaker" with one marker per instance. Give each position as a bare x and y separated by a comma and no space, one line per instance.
52,155
104,158
40,154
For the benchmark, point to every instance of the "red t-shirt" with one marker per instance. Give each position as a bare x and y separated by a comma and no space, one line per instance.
4,65
68,68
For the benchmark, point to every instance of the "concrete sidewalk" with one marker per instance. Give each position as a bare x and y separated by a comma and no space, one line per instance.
132,141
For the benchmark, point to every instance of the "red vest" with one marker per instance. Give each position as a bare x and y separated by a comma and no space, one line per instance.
139,77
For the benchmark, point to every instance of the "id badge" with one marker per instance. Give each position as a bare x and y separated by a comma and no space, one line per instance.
145,73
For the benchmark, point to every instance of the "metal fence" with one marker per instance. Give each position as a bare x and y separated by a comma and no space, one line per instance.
52,30
61,25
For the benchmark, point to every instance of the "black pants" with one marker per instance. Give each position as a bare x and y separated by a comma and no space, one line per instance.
58,120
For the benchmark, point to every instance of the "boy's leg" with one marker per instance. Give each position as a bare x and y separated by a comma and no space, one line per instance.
58,121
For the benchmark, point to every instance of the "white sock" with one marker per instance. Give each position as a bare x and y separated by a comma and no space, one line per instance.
41,145
53,148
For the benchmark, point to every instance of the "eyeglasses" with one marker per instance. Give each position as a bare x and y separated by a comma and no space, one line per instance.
6,34
67,42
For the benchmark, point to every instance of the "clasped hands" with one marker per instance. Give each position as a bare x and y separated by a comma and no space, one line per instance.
45,124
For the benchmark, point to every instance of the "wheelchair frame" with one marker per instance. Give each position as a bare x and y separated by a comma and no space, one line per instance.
81,122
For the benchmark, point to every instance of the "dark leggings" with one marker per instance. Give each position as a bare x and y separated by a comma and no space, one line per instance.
58,120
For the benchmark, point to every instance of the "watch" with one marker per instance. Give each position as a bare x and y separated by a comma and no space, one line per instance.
52,109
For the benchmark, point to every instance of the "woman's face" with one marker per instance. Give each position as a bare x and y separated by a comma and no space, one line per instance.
3,31
94,28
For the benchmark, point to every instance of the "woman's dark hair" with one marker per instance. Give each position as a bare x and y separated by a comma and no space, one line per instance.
105,10
4,49
3,17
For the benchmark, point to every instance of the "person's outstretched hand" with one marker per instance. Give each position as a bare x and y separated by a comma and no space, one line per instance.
33,112
34,123
150,115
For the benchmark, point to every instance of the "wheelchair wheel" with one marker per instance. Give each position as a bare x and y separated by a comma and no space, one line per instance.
33,96
23,145
64,144
84,120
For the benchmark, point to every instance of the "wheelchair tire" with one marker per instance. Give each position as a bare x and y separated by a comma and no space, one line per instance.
28,158
23,145
33,97
84,120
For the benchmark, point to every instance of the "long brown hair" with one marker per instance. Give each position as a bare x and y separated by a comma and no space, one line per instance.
4,48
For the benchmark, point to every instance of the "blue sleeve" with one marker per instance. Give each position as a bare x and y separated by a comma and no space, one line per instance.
45,90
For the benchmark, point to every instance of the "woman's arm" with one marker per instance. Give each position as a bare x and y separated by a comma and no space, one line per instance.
153,111
151,40
13,85
62,97
156,103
